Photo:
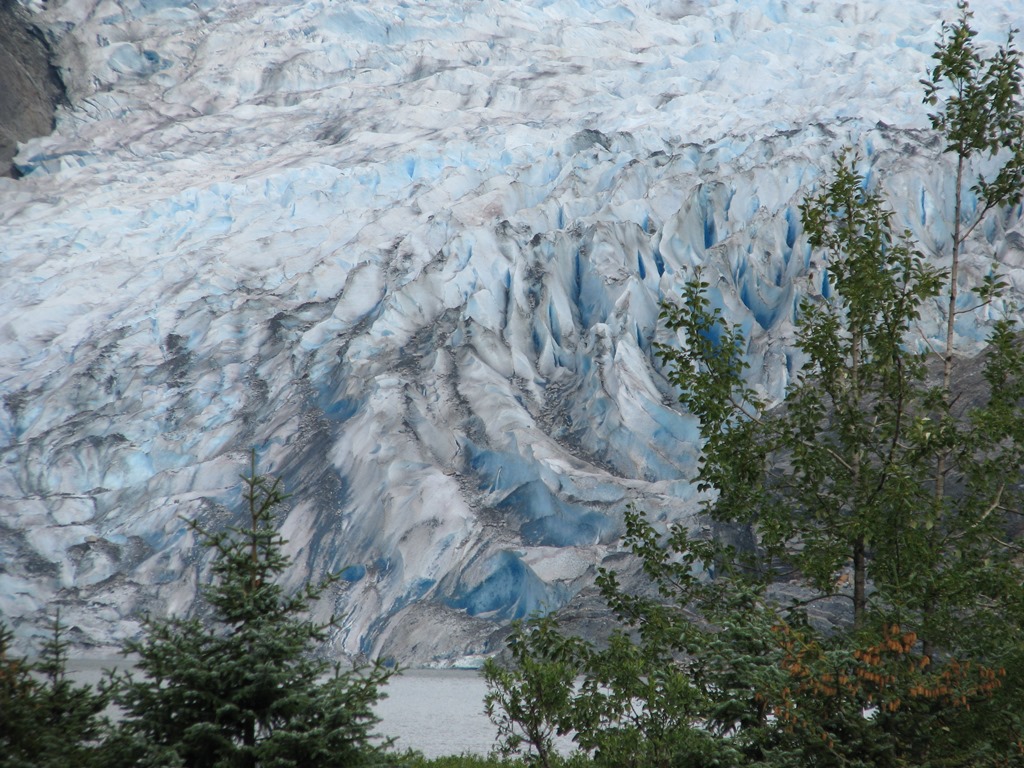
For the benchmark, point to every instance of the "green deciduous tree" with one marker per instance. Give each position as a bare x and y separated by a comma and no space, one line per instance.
245,690
885,466
530,701
873,462
889,481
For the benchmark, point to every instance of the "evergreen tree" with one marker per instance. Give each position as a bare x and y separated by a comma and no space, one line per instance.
46,721
247,690
19,692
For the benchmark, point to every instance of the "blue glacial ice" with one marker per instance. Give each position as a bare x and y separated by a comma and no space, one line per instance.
413,254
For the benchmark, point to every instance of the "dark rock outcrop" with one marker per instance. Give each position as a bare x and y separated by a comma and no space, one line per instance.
30,86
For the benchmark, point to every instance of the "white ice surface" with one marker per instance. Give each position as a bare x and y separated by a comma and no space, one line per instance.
413,253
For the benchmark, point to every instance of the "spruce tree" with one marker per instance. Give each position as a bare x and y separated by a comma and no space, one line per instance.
245,688
17,695
46,720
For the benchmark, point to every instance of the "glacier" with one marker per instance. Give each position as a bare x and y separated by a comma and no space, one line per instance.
412,252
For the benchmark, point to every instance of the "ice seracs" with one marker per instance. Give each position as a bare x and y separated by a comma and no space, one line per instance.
413,254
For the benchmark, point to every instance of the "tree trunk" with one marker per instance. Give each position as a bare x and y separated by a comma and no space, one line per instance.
860,599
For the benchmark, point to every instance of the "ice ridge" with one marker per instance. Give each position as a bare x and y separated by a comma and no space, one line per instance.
413,253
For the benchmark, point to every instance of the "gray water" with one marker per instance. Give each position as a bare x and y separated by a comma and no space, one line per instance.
438,712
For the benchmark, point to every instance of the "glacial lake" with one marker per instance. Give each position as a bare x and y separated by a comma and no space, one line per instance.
439,712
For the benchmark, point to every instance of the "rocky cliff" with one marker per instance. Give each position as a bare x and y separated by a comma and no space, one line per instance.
30,87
